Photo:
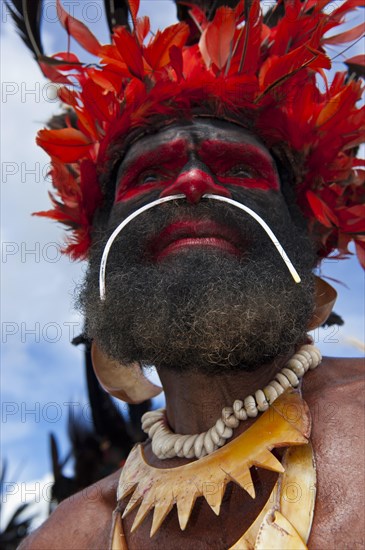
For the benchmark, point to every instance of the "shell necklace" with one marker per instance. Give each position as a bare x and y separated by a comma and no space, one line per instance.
167,444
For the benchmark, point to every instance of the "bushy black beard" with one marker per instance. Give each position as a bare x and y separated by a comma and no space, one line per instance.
202,309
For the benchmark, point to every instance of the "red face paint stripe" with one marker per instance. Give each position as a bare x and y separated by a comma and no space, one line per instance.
135,192
222,157
165,161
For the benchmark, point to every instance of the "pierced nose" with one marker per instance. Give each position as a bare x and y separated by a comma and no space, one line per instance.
194,183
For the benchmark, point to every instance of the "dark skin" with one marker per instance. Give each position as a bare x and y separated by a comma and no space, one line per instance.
207,159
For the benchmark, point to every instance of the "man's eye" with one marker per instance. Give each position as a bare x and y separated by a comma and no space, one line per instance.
149,177
241,172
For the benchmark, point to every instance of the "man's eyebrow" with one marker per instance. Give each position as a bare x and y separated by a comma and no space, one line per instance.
152,156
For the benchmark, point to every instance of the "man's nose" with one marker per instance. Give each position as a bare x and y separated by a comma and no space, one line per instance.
194,181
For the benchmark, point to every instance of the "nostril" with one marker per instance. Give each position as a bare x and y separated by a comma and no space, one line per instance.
194,184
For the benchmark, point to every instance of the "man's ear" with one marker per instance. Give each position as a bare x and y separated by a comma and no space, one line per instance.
325,297
126,382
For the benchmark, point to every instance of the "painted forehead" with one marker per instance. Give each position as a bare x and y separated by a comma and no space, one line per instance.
195,133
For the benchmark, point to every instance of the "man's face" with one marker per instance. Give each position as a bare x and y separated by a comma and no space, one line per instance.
197,283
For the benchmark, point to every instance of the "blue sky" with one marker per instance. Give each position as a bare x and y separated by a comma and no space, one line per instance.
40,370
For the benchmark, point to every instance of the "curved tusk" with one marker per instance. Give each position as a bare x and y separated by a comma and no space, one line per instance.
126,382
325,297
159,201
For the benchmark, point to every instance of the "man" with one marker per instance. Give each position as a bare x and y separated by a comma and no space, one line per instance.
189,171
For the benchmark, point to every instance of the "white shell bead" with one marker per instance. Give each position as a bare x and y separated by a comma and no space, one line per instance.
305,354
190,454
278,388
179,443
291,376
226,413
214,435
250,406
199,442
168,444
283,381
237,405
295,364
270,393
188,445
314,353
297,368
208,442
232,421
228,432
262,403
153,429
241,415
220,426
316,361
295,357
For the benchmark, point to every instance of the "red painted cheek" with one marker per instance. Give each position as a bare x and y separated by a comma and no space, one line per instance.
194,184
124,195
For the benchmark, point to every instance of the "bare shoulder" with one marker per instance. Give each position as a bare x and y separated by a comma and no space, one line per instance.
335,395
336,373
83,521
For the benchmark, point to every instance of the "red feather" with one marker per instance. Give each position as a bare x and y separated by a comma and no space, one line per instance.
347,36
251,39
68,96
199,17
216,43
142,28
97,102
176,60
157,53
133,8
66,145
277,69
72,61
321,210
54,76
130,51
78,30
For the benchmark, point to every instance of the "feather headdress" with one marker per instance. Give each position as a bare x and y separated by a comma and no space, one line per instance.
265,72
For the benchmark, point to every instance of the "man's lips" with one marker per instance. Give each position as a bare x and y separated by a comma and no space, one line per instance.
189,234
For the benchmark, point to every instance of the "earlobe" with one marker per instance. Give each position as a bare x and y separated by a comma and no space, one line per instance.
325,298
126,382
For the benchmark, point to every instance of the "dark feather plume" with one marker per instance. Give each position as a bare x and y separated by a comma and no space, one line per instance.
208,6
274,14
116,12
333,319
27,16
